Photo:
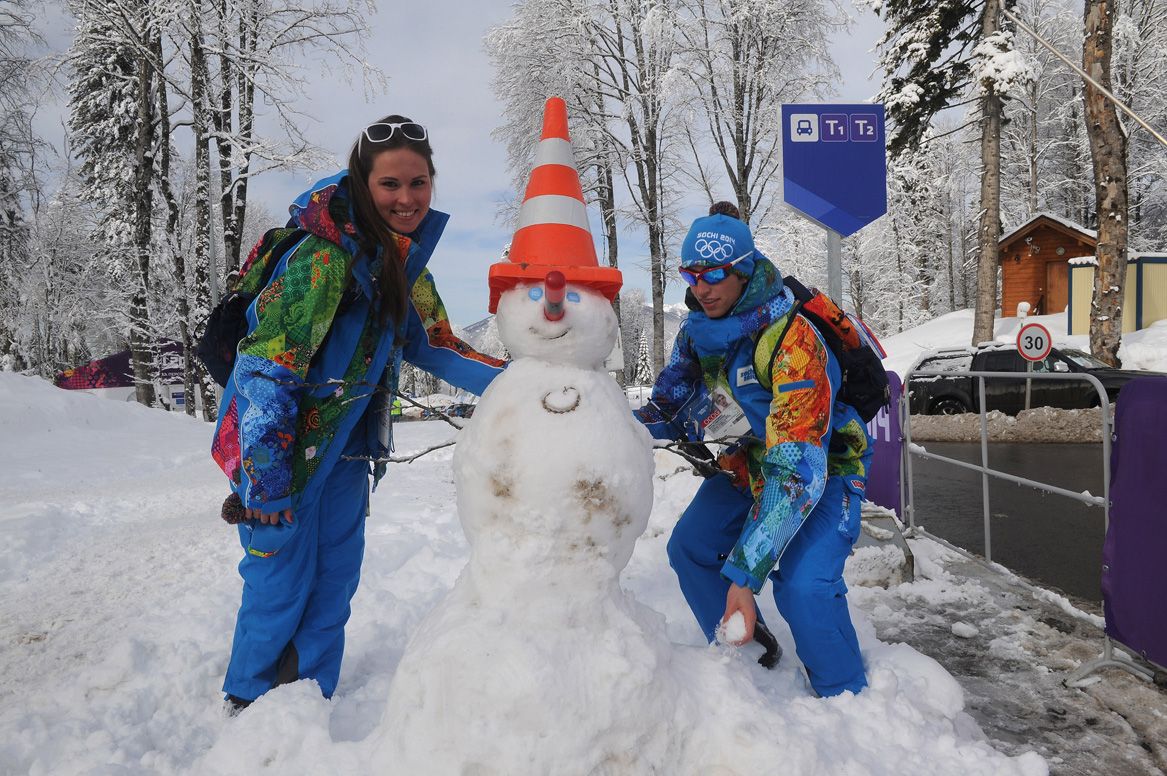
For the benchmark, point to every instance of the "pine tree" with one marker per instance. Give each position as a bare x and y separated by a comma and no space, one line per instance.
643,374
112,119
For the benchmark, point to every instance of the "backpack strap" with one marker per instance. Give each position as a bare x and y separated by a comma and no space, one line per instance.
802,294
778,344
277,253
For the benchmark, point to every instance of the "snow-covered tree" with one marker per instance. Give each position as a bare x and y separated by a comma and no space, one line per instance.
1043,141
1138,70
934,56
632,325
113,120
250,54
18,182
642,371
58,289
742,60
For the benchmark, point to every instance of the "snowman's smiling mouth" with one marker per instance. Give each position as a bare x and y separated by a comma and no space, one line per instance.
538,333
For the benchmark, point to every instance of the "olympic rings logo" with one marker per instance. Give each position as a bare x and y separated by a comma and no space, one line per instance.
713,249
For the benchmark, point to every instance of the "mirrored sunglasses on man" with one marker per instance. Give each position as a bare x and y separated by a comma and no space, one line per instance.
711,275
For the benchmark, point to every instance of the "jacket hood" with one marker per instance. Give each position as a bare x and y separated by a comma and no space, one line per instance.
325,211
764,300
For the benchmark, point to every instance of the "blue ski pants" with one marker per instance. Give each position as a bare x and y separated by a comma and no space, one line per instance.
808,582
296,601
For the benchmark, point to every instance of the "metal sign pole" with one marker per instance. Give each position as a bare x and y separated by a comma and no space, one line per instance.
834,266
1028,382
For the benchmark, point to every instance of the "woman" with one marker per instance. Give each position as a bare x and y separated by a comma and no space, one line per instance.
348,303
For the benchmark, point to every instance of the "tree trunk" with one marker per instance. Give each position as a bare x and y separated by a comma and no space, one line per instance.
656,248
1108,146
171,237
245,96
990,227
224,131
200,112
646,155
1033,147
606,197
950,238
141,352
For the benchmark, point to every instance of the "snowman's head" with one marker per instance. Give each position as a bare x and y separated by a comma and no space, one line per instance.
579,331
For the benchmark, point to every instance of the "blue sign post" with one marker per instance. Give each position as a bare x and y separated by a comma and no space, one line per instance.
834,171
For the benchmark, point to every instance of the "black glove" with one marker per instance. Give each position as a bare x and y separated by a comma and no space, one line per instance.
233,512
701,457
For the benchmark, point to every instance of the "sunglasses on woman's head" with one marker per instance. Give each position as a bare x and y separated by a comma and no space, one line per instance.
381,133
711,275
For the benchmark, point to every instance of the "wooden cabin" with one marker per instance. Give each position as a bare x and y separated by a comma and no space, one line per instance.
1034,266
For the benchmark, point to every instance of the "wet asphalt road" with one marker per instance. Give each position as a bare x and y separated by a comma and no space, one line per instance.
1051,539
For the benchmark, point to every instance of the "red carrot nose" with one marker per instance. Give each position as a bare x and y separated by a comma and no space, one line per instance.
556,285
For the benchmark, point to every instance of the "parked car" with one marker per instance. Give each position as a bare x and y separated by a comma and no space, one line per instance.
957,394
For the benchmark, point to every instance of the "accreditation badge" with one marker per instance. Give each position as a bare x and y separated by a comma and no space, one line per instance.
725,419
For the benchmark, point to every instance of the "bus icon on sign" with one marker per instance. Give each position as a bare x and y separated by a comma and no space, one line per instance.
804,127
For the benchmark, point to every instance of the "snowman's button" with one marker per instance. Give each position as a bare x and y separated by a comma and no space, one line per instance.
562,401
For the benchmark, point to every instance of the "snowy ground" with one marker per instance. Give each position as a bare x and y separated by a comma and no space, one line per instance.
118,592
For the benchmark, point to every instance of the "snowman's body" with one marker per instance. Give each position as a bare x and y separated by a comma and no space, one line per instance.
537,661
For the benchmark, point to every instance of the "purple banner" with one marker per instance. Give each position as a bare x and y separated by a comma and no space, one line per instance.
1134,575
883,481
116,372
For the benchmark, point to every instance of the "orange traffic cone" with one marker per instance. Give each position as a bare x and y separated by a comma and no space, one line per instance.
553,231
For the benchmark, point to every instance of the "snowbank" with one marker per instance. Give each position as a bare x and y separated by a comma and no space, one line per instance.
1041,424
1145,349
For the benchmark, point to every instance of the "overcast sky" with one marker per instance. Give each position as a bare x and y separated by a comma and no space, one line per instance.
439,75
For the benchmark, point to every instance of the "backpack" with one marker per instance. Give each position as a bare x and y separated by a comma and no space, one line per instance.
227,323
865,385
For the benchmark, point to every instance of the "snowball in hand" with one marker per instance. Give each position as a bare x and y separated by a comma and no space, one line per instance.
733,630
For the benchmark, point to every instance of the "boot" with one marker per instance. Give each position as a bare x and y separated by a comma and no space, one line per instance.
236,705
773,650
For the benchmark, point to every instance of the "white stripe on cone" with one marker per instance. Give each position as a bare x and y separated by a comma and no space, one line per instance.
554,150
553,209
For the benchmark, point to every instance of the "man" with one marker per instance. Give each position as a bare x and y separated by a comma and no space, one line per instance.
788,505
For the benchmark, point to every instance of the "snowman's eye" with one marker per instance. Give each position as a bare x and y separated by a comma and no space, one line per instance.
535,293
572,296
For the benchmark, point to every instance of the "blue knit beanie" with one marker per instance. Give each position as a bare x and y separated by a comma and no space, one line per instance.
718,239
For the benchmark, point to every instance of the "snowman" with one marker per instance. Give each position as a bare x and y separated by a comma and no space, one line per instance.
537,661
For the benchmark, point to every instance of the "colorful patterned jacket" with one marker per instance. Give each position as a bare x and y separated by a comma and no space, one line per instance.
795,433
305,374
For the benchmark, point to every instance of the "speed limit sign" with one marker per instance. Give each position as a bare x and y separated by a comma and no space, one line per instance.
1034,342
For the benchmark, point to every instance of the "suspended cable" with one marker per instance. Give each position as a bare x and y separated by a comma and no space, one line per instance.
1084,75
